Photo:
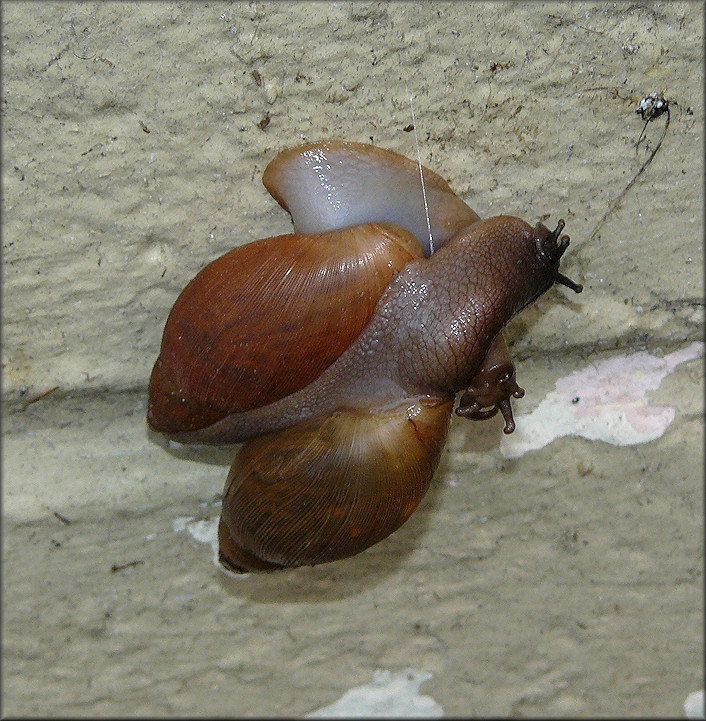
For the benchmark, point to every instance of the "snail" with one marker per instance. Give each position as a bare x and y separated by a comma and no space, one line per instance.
335,353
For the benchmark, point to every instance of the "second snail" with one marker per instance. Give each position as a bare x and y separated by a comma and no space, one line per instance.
336,352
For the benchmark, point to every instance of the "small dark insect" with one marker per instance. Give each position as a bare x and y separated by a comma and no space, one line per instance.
409,128
257,78
649,108
265,121
652,106
144,127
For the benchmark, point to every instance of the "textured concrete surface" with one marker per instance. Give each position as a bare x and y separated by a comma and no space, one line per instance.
567,581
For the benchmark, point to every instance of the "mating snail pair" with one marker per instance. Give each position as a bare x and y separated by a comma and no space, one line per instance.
336,352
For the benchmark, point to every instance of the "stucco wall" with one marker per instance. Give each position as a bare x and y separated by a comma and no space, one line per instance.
132,156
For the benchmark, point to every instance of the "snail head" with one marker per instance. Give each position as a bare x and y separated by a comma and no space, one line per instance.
551,245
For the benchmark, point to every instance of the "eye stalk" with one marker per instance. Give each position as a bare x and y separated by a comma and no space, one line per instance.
552,245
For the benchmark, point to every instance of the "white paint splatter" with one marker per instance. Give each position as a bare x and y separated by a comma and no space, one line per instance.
389,695
694,705
605,401
202,531
180,523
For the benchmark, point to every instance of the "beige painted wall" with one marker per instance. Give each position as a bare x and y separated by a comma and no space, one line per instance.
105,223
132,157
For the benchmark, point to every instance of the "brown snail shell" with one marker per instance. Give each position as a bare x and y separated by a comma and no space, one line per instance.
266,319
329,488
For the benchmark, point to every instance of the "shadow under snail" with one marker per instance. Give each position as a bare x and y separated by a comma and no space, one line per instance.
336,352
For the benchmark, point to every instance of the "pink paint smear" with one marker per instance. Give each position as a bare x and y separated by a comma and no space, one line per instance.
607,401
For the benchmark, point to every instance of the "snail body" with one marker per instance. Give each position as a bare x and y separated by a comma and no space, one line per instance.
336,352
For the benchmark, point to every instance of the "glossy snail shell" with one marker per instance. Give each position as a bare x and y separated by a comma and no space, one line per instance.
329,488
266,319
